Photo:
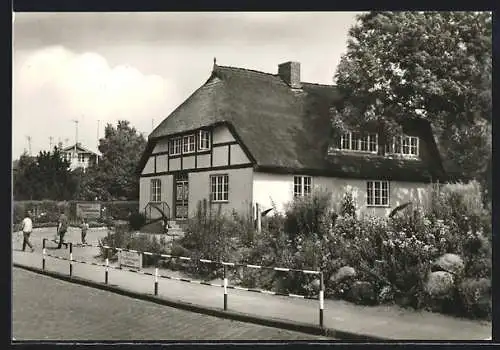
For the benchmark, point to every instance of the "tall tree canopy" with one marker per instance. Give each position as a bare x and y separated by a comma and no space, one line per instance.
45,177
429,65
114,177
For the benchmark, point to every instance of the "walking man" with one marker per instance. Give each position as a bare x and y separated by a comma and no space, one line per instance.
61,229
27,227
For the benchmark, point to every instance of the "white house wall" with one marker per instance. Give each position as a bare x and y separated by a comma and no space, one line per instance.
149,167
240,189
277,190
145,191
222,134
226,156
161,146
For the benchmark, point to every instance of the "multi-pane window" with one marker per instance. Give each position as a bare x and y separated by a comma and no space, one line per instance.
175,146
188,143
219,188
377,193
352,141
204,140
404,145
302,185
81,157
155,190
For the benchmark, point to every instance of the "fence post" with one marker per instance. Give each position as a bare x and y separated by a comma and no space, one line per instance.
225,288
156,280
321,300
259,217
43,253
107,268
70,259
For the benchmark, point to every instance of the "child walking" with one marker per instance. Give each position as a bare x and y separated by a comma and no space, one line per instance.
85,227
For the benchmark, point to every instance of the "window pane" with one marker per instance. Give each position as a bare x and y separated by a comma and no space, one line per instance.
345,141
355,141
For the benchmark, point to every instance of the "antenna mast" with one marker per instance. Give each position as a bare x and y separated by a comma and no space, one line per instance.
76,132
29,144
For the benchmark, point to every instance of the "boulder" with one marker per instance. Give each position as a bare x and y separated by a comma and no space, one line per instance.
439,283
342,273
451,263
314,285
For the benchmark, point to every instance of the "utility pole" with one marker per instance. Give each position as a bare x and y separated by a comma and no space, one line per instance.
50,142
29,144
76,132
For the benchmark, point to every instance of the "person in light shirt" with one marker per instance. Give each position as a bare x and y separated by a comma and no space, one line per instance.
27,227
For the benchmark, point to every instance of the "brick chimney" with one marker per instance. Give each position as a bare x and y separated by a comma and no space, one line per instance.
290,73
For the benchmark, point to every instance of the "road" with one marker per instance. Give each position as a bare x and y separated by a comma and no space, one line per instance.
45,308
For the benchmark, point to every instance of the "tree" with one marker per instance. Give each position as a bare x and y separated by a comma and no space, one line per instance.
45,177
115,177
434,66
23,182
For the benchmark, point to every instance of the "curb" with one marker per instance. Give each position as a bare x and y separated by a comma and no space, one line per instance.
211,311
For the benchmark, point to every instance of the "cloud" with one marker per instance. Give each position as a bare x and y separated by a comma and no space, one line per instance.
52,86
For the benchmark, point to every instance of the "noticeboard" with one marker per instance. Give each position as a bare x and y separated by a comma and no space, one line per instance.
130,259
88,210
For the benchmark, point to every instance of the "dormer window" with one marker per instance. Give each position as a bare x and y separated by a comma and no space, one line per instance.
357,142
204,140
404,145
189,144
175,146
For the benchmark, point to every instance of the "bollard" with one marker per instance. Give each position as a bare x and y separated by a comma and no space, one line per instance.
106,271
321,301
43,253
156,280
225,288
71,260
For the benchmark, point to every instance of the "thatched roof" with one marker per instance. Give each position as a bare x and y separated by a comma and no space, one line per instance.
284,130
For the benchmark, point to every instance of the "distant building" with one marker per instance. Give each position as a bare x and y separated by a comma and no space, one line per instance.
80,156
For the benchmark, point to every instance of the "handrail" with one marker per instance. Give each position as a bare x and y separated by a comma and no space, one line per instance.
162,210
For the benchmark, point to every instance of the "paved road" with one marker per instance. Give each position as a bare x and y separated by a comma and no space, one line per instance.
49,309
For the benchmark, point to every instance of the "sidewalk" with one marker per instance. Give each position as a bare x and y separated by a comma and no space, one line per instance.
386,322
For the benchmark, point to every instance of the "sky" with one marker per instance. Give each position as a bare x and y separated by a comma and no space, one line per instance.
98,68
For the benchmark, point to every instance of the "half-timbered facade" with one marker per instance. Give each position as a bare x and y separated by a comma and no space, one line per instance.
247,137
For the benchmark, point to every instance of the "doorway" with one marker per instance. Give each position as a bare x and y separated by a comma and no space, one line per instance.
181,190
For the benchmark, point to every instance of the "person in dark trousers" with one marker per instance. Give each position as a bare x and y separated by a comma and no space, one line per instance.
61,229
27,227
85,227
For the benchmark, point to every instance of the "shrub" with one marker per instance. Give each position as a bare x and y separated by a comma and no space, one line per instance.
308,215
347,206
137,220
475,297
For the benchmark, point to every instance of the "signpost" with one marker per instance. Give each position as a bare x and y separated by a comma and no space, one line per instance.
88,210
130,259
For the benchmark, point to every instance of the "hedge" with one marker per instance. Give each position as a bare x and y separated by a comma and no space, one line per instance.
48,211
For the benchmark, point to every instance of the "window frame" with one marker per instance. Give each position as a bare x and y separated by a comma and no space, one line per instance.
155,190
399,143
354,141
188,144
371,193
204,140
221,186
302,185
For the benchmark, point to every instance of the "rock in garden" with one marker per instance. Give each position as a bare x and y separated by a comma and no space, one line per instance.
439,283
450,263
344,272
315,284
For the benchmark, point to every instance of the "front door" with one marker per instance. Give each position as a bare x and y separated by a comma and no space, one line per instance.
181,196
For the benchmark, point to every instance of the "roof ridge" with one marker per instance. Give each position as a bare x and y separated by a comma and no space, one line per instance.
248,70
